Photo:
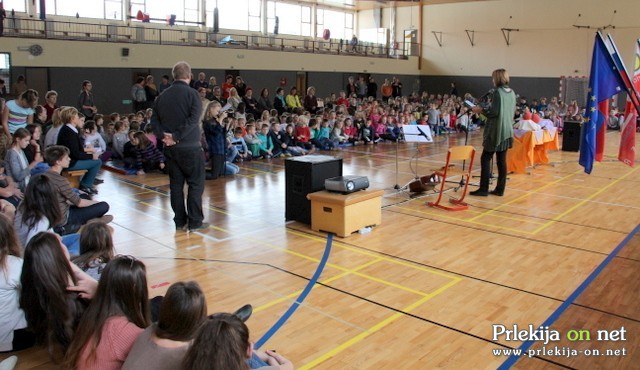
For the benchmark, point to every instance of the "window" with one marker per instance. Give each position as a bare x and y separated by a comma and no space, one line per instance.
305,24
17,5
5,69
340,24
187,12
113,9
85,8
233,15
255,19
293,19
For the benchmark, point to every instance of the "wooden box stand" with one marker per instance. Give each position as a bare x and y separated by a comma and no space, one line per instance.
343,214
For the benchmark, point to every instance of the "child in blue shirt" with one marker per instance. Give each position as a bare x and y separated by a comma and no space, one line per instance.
266,144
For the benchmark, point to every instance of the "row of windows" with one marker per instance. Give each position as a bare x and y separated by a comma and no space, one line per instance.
246,15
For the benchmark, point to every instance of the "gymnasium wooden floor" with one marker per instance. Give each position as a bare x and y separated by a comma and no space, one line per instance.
424,289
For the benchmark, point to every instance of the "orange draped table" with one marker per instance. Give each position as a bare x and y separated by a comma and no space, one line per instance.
530,148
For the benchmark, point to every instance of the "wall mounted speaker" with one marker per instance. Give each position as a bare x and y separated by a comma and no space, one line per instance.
124,52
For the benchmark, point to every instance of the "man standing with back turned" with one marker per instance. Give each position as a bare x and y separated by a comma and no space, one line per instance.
176,120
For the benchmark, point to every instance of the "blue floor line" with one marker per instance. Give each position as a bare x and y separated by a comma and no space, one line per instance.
301,297
576,293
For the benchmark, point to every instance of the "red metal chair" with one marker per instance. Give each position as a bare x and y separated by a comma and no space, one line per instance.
455,154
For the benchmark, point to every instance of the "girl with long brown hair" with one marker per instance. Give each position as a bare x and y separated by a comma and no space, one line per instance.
117,315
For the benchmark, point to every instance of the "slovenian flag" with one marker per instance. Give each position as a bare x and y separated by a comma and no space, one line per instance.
627,153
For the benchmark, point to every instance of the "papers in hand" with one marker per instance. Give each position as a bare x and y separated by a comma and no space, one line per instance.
226,107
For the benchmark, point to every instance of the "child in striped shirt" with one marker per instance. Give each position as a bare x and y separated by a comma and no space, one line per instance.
148,157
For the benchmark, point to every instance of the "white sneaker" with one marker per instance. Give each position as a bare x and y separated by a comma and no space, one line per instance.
9,363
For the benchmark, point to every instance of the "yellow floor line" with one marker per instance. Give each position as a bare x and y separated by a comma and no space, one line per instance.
326,281
338,267
471,221
582,202
374,255
379,326
526,195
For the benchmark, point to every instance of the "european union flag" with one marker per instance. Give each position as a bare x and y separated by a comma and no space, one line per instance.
604,82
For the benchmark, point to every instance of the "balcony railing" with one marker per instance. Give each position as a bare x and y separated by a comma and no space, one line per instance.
60,30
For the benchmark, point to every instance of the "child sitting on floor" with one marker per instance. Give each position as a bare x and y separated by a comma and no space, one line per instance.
266,144
148,157
252,140
93,139
241,146
96,248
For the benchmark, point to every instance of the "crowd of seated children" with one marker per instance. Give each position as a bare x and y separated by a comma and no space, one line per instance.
346,118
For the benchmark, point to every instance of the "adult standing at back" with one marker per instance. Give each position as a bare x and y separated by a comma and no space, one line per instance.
19,86
50,104
86,105
176,120
138,94
396,85
498,133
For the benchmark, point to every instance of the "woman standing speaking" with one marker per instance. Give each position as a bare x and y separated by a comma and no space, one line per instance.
498,133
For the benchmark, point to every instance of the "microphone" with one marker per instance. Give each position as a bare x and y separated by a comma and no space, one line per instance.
490,92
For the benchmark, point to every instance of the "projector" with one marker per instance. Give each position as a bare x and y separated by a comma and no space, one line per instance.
346,184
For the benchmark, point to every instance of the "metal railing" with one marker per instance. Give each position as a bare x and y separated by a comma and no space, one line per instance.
61,30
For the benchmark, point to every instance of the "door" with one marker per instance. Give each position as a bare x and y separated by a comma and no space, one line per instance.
301,83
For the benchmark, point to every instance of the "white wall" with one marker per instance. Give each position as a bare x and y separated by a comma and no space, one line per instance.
59,53
547,44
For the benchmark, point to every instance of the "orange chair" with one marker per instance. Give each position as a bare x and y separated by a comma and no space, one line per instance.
456,154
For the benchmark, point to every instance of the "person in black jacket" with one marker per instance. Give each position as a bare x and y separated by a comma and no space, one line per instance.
278,101
277,138
81,158
216,136
176,120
